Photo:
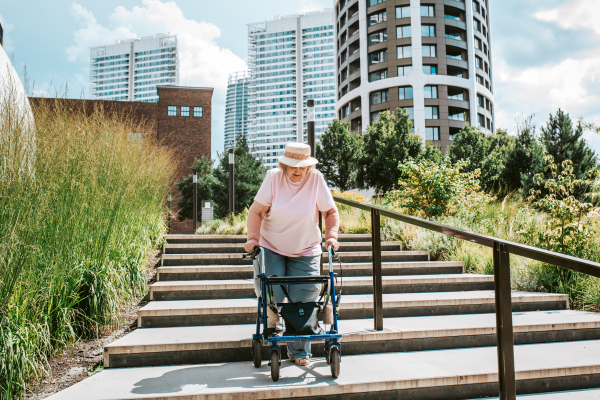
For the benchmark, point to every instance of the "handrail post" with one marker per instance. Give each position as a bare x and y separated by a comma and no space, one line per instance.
377,284
504,325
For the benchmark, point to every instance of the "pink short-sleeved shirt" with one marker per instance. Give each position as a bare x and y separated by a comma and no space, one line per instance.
291,226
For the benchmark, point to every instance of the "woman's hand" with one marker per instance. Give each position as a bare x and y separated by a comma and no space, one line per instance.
333,242
250,245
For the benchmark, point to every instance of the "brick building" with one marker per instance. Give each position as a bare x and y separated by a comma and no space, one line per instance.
181,120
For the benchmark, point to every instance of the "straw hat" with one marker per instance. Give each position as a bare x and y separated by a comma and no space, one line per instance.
297,155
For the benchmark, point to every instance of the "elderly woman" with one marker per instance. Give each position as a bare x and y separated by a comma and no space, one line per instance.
284,221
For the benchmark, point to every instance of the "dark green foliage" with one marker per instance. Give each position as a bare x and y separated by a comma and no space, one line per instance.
519,160
488,153
249,175
338,154
562,142
387,143
206,184
213,183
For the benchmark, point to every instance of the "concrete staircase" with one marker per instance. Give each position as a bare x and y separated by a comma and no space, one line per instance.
438,342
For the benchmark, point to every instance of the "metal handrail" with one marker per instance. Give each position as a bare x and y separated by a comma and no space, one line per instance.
501,250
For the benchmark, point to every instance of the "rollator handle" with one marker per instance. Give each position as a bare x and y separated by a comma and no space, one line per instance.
253,255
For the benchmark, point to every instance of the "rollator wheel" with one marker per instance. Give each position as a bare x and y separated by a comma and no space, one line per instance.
275,365
335,359
257,352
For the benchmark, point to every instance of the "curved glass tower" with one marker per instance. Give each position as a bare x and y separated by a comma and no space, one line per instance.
431,57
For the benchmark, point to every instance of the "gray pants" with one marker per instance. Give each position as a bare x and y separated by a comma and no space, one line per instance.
276,264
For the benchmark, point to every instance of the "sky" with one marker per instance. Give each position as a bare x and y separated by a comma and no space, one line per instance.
545,53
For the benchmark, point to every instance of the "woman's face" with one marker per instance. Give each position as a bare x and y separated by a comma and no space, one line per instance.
296,173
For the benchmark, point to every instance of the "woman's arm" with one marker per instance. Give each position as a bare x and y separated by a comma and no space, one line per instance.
332,224
256,213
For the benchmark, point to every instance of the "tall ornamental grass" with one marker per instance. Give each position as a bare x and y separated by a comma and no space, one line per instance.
75,229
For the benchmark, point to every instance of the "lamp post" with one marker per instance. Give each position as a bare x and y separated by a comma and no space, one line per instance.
310,124
169,213
195,202
231,182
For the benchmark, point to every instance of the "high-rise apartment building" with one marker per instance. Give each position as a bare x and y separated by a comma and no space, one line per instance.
432,57
130,70
236,107
291,60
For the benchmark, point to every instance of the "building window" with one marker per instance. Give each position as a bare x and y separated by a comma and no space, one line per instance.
377,18
431,112
480,101
430,69
378,37
172,111
427,11
481,120
403,31
428,30
429,51
478,62
476,24
375,116
404,52
452,15
457,117
478,43
411,112
375,2
185,111
403,12
475,6
198,112
456,94
432,133
405,93
378,57
405,70
431,92
378,75
479,80
381,96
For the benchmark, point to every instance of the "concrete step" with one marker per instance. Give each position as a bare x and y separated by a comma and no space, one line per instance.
236,258
241,288
208,248
173,239
435,374
582,394
205,344
211,272
243,311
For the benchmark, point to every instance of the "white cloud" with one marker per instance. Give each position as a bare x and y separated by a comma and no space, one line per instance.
201,61
572,84
574,14
313,5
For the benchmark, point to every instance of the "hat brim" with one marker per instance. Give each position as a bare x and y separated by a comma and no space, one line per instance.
292,162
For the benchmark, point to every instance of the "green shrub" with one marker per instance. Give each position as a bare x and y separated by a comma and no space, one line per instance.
74,236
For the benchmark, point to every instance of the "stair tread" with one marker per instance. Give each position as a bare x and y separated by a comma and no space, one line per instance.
243,268
235,336
342,254
218,306
386,371
226,245
229,284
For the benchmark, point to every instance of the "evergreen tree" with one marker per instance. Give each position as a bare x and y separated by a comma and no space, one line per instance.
562,142
387,143
469,145
519,160
248,173
338,154
206,184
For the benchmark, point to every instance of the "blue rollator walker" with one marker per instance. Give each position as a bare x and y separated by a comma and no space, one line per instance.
267,301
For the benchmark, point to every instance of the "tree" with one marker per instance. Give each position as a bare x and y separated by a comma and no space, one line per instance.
469,145
562,142
206,185
387,143
249,175
338,154
519,160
